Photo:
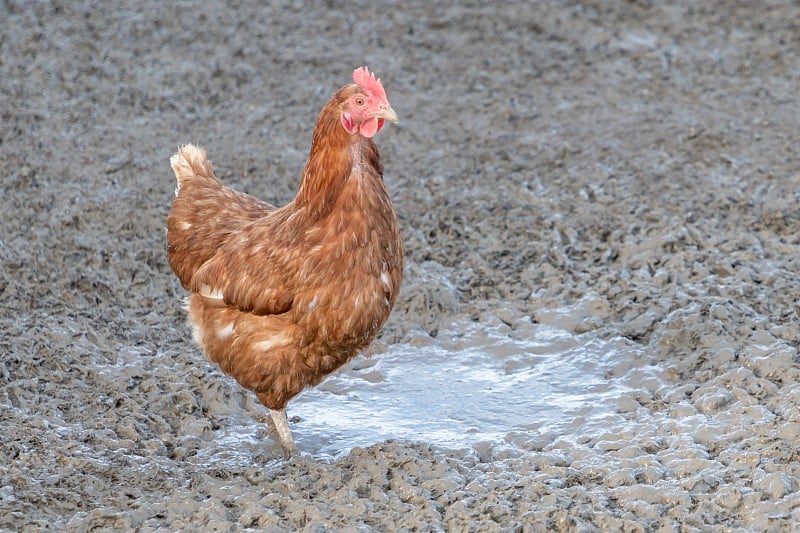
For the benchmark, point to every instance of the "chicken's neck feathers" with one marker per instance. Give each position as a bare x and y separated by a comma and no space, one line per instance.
335,157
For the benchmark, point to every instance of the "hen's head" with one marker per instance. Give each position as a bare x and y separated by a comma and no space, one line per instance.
365,107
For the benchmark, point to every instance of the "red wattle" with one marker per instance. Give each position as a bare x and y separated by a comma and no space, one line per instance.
370,127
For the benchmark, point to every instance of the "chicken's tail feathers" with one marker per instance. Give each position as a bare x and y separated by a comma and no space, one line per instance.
190,162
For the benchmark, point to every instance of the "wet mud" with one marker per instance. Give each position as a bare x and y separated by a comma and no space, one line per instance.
598,328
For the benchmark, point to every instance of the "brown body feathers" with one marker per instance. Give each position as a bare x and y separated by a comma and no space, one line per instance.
280,297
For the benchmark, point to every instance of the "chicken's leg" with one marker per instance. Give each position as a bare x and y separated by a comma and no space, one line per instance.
285,435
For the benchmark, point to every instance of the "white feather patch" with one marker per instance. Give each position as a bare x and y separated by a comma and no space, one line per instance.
279,339
386,280
208,292
197,333
225,332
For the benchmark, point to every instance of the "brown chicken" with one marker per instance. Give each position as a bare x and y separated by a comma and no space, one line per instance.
281,297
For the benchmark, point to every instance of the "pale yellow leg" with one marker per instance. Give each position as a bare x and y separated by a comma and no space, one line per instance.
284,434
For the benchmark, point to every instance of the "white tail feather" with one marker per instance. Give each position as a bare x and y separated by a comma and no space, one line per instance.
190,161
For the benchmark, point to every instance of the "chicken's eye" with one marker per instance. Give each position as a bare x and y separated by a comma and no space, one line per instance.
359,101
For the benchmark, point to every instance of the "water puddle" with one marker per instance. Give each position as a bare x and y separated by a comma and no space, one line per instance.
472,383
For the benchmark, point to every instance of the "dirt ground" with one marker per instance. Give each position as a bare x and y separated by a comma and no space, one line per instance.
618,169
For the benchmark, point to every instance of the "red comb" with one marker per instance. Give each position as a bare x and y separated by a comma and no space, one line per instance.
367,80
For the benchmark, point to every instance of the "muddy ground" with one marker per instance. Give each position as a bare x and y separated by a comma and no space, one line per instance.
623,169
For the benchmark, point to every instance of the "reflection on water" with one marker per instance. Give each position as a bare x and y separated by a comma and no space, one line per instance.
470,384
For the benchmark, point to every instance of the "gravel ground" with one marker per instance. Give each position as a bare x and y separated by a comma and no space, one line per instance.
624,169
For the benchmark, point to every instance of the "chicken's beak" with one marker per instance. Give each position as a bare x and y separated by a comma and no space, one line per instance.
386,112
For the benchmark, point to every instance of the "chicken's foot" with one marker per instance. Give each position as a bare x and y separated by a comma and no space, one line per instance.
284,434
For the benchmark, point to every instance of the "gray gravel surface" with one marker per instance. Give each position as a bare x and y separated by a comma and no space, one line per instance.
623,169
